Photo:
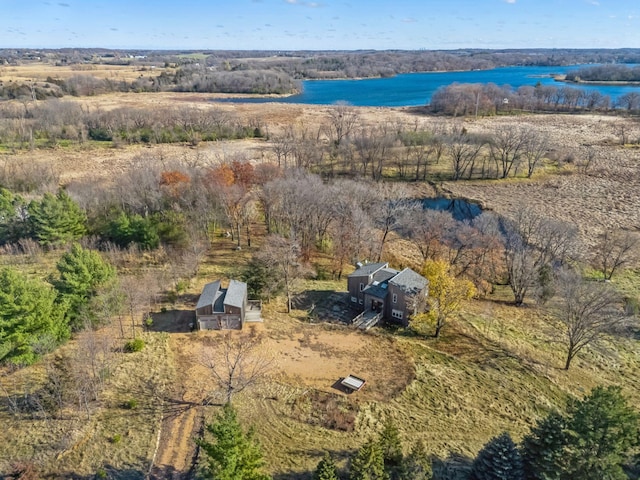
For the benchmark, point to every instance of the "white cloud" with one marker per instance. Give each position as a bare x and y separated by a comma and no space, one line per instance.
303,3
510,1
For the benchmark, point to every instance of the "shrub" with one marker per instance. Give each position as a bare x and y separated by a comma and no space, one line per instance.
135,345
131,404
117,438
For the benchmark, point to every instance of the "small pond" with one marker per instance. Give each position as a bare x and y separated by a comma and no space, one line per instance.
460,209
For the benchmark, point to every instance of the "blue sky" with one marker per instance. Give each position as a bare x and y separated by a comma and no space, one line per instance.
320,24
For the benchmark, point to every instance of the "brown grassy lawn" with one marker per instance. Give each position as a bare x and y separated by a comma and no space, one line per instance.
114,438
40,72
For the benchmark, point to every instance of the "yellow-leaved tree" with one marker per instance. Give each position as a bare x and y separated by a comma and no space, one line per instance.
446,294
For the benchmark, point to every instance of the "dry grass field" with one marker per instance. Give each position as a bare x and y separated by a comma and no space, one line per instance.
496,368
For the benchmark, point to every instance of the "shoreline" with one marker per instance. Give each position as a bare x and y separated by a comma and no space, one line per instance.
604,83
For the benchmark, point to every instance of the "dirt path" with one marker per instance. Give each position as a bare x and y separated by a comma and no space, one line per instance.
183,418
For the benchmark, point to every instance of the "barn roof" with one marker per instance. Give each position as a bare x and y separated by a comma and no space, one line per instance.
236,293
210,293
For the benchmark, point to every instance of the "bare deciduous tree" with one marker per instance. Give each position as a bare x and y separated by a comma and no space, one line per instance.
534,150
343,120
533,242
463,151
237,362
615,248
586,309
284,257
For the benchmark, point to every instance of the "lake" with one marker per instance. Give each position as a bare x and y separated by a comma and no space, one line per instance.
412,89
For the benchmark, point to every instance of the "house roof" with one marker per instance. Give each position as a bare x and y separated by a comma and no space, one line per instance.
236,293
378,291
384,275
368,269
409,281
210,293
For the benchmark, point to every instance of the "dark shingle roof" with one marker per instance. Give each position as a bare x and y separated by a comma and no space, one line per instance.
409,281
236,294
368,269
209,295
384,275
378,291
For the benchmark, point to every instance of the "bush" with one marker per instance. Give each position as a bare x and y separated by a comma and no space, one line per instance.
117,438
135,345
131,404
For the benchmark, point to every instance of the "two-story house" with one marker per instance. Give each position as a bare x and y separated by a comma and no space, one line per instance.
396,294
226,308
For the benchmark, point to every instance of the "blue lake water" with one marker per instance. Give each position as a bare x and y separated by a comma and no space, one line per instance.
414,89
459,209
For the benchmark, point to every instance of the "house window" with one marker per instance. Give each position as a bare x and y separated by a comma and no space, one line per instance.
361,286
354,300
395,298
396,314
360,301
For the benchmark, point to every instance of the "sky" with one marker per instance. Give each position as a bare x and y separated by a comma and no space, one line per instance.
320,24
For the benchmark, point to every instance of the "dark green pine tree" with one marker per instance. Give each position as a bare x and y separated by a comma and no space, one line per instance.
543,450
603,429
31,319
56,220
326,469
80,273
417,465
499,459
232,454
368,464
389,440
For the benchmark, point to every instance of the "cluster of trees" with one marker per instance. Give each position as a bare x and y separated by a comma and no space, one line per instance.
346,144
205,79
468,99
605,73
593,440
233,453
36,316
25,126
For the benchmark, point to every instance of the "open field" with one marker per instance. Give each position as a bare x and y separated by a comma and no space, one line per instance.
496,368
40,72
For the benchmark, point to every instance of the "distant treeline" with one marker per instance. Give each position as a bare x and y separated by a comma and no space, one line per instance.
185,79
48,123
463,99
605,73
274,72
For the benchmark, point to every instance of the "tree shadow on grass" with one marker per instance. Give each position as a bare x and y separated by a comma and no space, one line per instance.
108,472
454,467
173,321
338,457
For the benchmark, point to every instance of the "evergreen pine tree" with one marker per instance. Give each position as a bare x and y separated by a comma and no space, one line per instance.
233,454
326,469
543,449
368,464
499,459
80,273
56,220
390,444
603,428
417,465
31,320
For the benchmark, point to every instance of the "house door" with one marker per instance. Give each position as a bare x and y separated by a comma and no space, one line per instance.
376,305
